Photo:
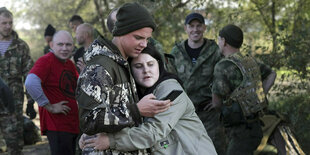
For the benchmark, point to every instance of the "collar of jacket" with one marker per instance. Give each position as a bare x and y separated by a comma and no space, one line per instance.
104,47
15,41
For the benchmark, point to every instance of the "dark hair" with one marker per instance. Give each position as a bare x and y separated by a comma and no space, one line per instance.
5,12
49,30
110,21
76,18
163,74
233,35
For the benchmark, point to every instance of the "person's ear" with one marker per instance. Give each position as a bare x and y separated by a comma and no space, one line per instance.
204,27
224,41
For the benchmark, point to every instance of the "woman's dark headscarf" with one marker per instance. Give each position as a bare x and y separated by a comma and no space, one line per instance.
163,74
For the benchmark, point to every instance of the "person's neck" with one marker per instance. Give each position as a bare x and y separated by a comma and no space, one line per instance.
230,50
3,38
87,44
117,43
196,44
61,60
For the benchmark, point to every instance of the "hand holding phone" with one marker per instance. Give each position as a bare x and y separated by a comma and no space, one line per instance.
173,95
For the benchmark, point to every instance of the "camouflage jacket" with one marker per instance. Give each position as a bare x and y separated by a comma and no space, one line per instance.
15,65
227,78
6,99
106,92
196,78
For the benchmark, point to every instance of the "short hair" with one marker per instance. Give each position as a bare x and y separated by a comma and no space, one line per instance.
88,28
233,35
76,18
110,21
5,12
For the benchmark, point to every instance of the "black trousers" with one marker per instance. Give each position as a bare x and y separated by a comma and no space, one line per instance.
61,143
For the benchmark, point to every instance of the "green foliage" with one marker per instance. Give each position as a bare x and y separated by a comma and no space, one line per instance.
296,109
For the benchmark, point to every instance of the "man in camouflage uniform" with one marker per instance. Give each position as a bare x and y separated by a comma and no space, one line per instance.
15,62
239,88
193,61
106,91
8,119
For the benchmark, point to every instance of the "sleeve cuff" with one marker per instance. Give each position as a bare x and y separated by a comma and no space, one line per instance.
112,141
135,113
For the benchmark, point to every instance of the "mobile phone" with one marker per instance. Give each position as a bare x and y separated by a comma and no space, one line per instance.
173,95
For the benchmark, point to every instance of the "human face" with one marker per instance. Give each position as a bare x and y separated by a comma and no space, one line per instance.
73,26
6,24
48,39
80,36
145,70
134,42
62,45
195,30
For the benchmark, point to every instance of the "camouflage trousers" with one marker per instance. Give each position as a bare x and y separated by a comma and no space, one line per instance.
215,129
244,138
9,131
20,122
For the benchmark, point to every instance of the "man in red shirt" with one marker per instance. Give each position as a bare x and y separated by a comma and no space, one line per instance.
52,83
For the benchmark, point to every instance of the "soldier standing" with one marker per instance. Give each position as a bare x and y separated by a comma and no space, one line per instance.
7,116
15,62
239,88
193,61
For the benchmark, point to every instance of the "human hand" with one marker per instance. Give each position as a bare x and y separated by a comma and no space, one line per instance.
30,110
100,142
80,64
149,106
81,141
59,107
209,107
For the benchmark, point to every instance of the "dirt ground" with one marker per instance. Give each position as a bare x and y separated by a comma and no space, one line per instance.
40,148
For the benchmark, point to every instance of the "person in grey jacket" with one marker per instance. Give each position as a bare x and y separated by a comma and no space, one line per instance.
175,131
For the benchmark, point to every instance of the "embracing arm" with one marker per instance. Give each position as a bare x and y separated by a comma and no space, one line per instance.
147,134
153,129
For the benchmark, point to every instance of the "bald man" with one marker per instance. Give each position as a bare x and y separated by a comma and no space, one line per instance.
84,37
52,83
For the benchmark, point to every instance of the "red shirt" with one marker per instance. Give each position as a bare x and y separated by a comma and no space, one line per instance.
59,80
